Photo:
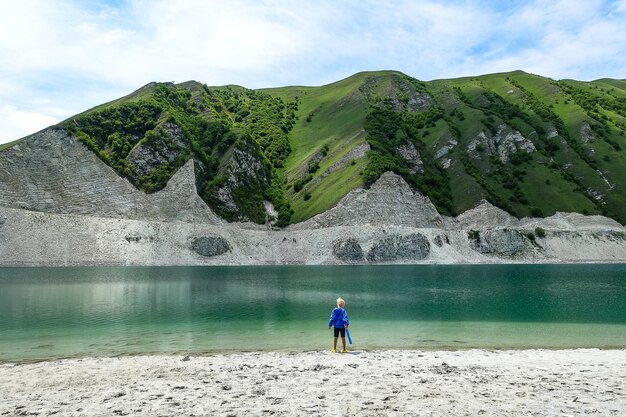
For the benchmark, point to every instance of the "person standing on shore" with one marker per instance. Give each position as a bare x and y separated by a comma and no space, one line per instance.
339,322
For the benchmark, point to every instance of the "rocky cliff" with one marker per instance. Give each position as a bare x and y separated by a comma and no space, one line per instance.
377,205
61,205
52,172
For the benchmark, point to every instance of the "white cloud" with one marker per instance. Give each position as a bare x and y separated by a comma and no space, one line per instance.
60,57
15,124
573,39
563,13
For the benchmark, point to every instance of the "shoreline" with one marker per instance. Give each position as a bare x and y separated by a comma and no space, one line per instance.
378,382
291,352
83,240
244,265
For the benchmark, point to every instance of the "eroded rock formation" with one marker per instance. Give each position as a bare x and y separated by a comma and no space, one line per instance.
61,205
389,201
210,245
348,250
413,247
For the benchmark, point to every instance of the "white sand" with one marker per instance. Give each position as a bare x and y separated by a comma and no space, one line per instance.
472,383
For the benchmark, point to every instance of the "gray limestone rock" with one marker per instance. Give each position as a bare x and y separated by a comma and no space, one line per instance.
179,199
410,154
358,152
574,222
484,215
505,242
51,171
389,201
406,100
413,247
586,133
551,132
165,146
503,143
210,245
61,205
348,250
419,101
445,149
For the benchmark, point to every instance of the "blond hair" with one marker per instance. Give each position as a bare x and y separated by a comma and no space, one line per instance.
340,302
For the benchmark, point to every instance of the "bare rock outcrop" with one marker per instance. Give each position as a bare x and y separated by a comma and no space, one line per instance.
210,245
411,155
397,248
505,242
179,200
586,134
503,143
358,152
390,200
51,171
398,95
442,153
573,222
165,145
484,215
348,250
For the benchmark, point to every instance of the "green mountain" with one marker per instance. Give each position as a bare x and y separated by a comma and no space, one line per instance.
528,144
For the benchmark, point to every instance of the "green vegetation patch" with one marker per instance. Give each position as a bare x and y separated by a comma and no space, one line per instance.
148,138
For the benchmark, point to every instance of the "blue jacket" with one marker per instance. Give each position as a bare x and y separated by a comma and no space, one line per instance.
338,318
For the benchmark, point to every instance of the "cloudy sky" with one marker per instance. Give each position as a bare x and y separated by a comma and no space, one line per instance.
60,57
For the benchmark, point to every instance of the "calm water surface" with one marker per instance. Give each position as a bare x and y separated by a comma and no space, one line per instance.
59,312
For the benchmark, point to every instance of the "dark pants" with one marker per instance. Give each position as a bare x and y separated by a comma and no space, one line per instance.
340,330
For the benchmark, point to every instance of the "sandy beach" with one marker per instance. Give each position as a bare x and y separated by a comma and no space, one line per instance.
363,383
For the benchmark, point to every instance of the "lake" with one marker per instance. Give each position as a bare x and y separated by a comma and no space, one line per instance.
67,312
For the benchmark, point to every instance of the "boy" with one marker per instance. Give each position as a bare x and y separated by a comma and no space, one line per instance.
339,320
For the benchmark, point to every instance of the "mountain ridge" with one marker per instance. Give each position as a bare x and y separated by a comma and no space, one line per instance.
528,144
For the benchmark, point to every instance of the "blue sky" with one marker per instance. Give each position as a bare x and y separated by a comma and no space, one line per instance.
60,57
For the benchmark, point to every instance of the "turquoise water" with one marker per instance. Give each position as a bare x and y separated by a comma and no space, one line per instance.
60,312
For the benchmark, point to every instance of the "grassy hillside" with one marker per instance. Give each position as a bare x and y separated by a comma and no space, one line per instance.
330,123
577,130
528,144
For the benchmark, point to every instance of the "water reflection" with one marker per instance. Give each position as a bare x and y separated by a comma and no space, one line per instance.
46,312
